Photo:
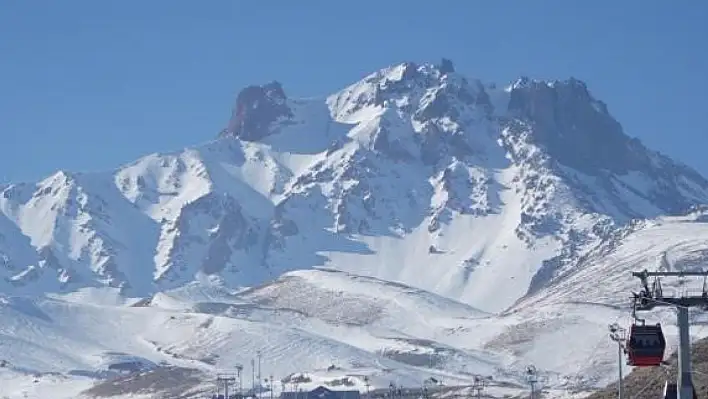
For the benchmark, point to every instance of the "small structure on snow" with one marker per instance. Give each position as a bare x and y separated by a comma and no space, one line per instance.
321,393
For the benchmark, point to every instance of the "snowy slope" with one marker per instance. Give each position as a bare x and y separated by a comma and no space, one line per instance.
601,284
304,322
416,211
308,321
665,243
294,321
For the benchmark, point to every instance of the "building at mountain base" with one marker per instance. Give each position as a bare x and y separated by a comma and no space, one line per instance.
321,393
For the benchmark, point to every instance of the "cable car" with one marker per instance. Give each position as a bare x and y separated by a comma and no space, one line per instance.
646,345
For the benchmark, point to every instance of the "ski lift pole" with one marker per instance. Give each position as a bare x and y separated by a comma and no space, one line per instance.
617,334
652,299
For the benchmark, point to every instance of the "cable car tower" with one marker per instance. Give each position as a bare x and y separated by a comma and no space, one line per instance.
646,343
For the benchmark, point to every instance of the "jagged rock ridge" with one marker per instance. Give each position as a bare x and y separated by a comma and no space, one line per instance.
414,174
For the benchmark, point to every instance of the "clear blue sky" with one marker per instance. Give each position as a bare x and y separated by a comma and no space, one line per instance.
90,85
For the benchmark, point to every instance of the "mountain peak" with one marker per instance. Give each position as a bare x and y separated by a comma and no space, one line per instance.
446,66
577,129
412,179
257,109
423,91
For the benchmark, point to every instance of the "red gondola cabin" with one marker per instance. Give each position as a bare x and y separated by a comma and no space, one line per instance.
645,346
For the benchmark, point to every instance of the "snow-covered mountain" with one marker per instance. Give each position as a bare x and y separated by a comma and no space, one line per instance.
477,212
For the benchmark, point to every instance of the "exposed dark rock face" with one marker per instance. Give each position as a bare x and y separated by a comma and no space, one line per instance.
577,131
257,109
446,66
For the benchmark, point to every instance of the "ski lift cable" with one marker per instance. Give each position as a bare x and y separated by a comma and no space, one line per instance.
676,306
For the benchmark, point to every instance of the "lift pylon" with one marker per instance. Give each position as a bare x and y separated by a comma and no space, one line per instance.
648,299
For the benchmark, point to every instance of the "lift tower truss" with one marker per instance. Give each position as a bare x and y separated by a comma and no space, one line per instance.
648,299
224,381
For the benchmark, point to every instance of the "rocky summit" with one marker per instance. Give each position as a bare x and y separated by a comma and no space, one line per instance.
415,223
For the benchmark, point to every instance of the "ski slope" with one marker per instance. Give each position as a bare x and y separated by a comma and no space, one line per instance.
216,330
330,324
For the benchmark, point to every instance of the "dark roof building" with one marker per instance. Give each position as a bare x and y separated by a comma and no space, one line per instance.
321,393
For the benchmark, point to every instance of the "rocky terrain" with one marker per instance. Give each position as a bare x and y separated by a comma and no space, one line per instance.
416,223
